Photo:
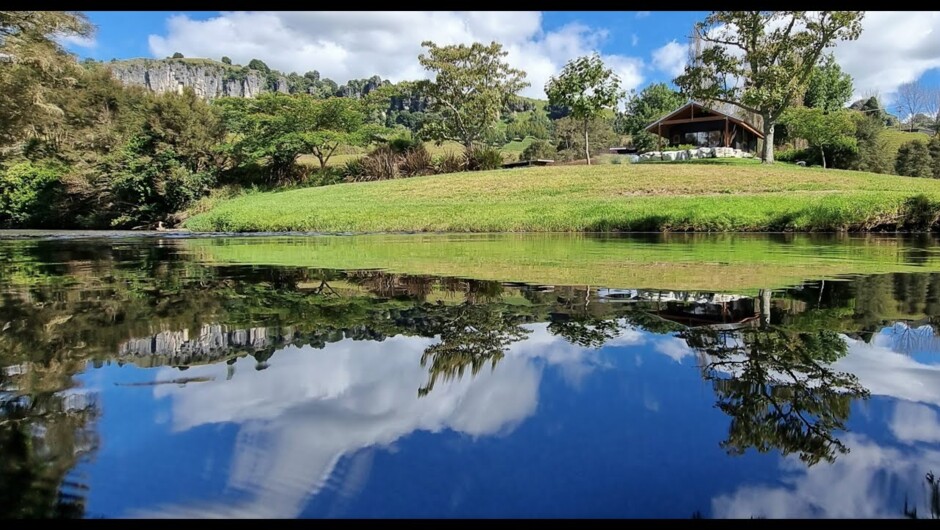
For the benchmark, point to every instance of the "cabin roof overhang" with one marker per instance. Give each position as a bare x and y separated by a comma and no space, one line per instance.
686,114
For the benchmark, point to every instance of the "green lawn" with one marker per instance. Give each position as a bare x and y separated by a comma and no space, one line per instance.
611,197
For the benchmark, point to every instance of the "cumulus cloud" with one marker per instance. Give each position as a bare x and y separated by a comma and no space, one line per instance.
643,14
352,45
671,58
895,47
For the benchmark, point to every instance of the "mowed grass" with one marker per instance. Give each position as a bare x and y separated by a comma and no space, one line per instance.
609,197
709,262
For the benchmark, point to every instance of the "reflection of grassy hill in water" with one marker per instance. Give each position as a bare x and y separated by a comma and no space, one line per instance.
733,262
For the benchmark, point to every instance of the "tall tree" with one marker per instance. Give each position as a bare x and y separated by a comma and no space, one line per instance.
32,64
588,88
822,131
277,129
829,87
652,103
911,98
761,61
471,86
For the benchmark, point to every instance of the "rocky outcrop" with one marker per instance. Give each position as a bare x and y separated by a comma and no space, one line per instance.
689,154
208,79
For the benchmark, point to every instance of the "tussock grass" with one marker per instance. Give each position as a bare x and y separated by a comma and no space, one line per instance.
609,197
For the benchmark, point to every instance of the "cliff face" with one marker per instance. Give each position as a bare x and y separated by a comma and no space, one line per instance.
208,79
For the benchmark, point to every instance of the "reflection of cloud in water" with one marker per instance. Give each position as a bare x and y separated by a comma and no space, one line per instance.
875,475
887,373
310,407
868,476
674,348
915,423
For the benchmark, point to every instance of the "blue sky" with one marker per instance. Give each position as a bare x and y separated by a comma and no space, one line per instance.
643,47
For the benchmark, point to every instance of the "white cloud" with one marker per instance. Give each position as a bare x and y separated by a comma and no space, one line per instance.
347,45
643,14
634,39
895,47
671,58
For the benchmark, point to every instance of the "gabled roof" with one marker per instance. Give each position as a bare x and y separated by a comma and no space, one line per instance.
696,107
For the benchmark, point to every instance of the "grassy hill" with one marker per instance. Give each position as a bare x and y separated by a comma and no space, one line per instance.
719,195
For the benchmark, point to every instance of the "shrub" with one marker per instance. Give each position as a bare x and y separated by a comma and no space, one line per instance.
449,162
680,147
914,160
354,169
482,158
538,149
934,148
403,144
381,164
416,161
793,155
326,177
29,194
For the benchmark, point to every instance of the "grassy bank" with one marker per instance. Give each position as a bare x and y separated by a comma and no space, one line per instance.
718,262
628,197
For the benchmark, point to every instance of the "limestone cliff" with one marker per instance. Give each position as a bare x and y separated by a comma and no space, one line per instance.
209,79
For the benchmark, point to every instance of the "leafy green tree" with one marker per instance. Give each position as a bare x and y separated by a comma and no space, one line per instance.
167,164
588,88
33,65
258,64
276,129
823,131
29,194
471,86
829,88
569,135
934,148
761,61
873,153
177,55
914,160
652,103
226,60
538,149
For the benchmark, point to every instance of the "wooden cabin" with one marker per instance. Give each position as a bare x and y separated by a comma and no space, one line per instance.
697,125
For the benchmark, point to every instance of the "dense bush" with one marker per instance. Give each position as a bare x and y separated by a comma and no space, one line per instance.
416,161
482,158
29,194
449,162
934,148
914,160
793,155
538,149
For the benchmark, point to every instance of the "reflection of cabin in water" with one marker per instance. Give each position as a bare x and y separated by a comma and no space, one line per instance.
697,125
693,309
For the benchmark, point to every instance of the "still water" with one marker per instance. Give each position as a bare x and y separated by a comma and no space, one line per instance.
470,376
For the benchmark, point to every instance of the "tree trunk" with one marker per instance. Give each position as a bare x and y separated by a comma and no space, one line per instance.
587,149
822,153
767,156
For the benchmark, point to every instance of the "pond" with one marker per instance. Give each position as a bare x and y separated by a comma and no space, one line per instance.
676,376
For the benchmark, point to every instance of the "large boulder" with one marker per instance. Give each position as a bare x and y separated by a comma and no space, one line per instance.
670,155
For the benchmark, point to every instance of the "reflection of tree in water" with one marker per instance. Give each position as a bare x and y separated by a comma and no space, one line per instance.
43,436
909,339
779,390
933,499
470,335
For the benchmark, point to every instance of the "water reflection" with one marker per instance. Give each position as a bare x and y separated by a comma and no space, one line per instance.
319,373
